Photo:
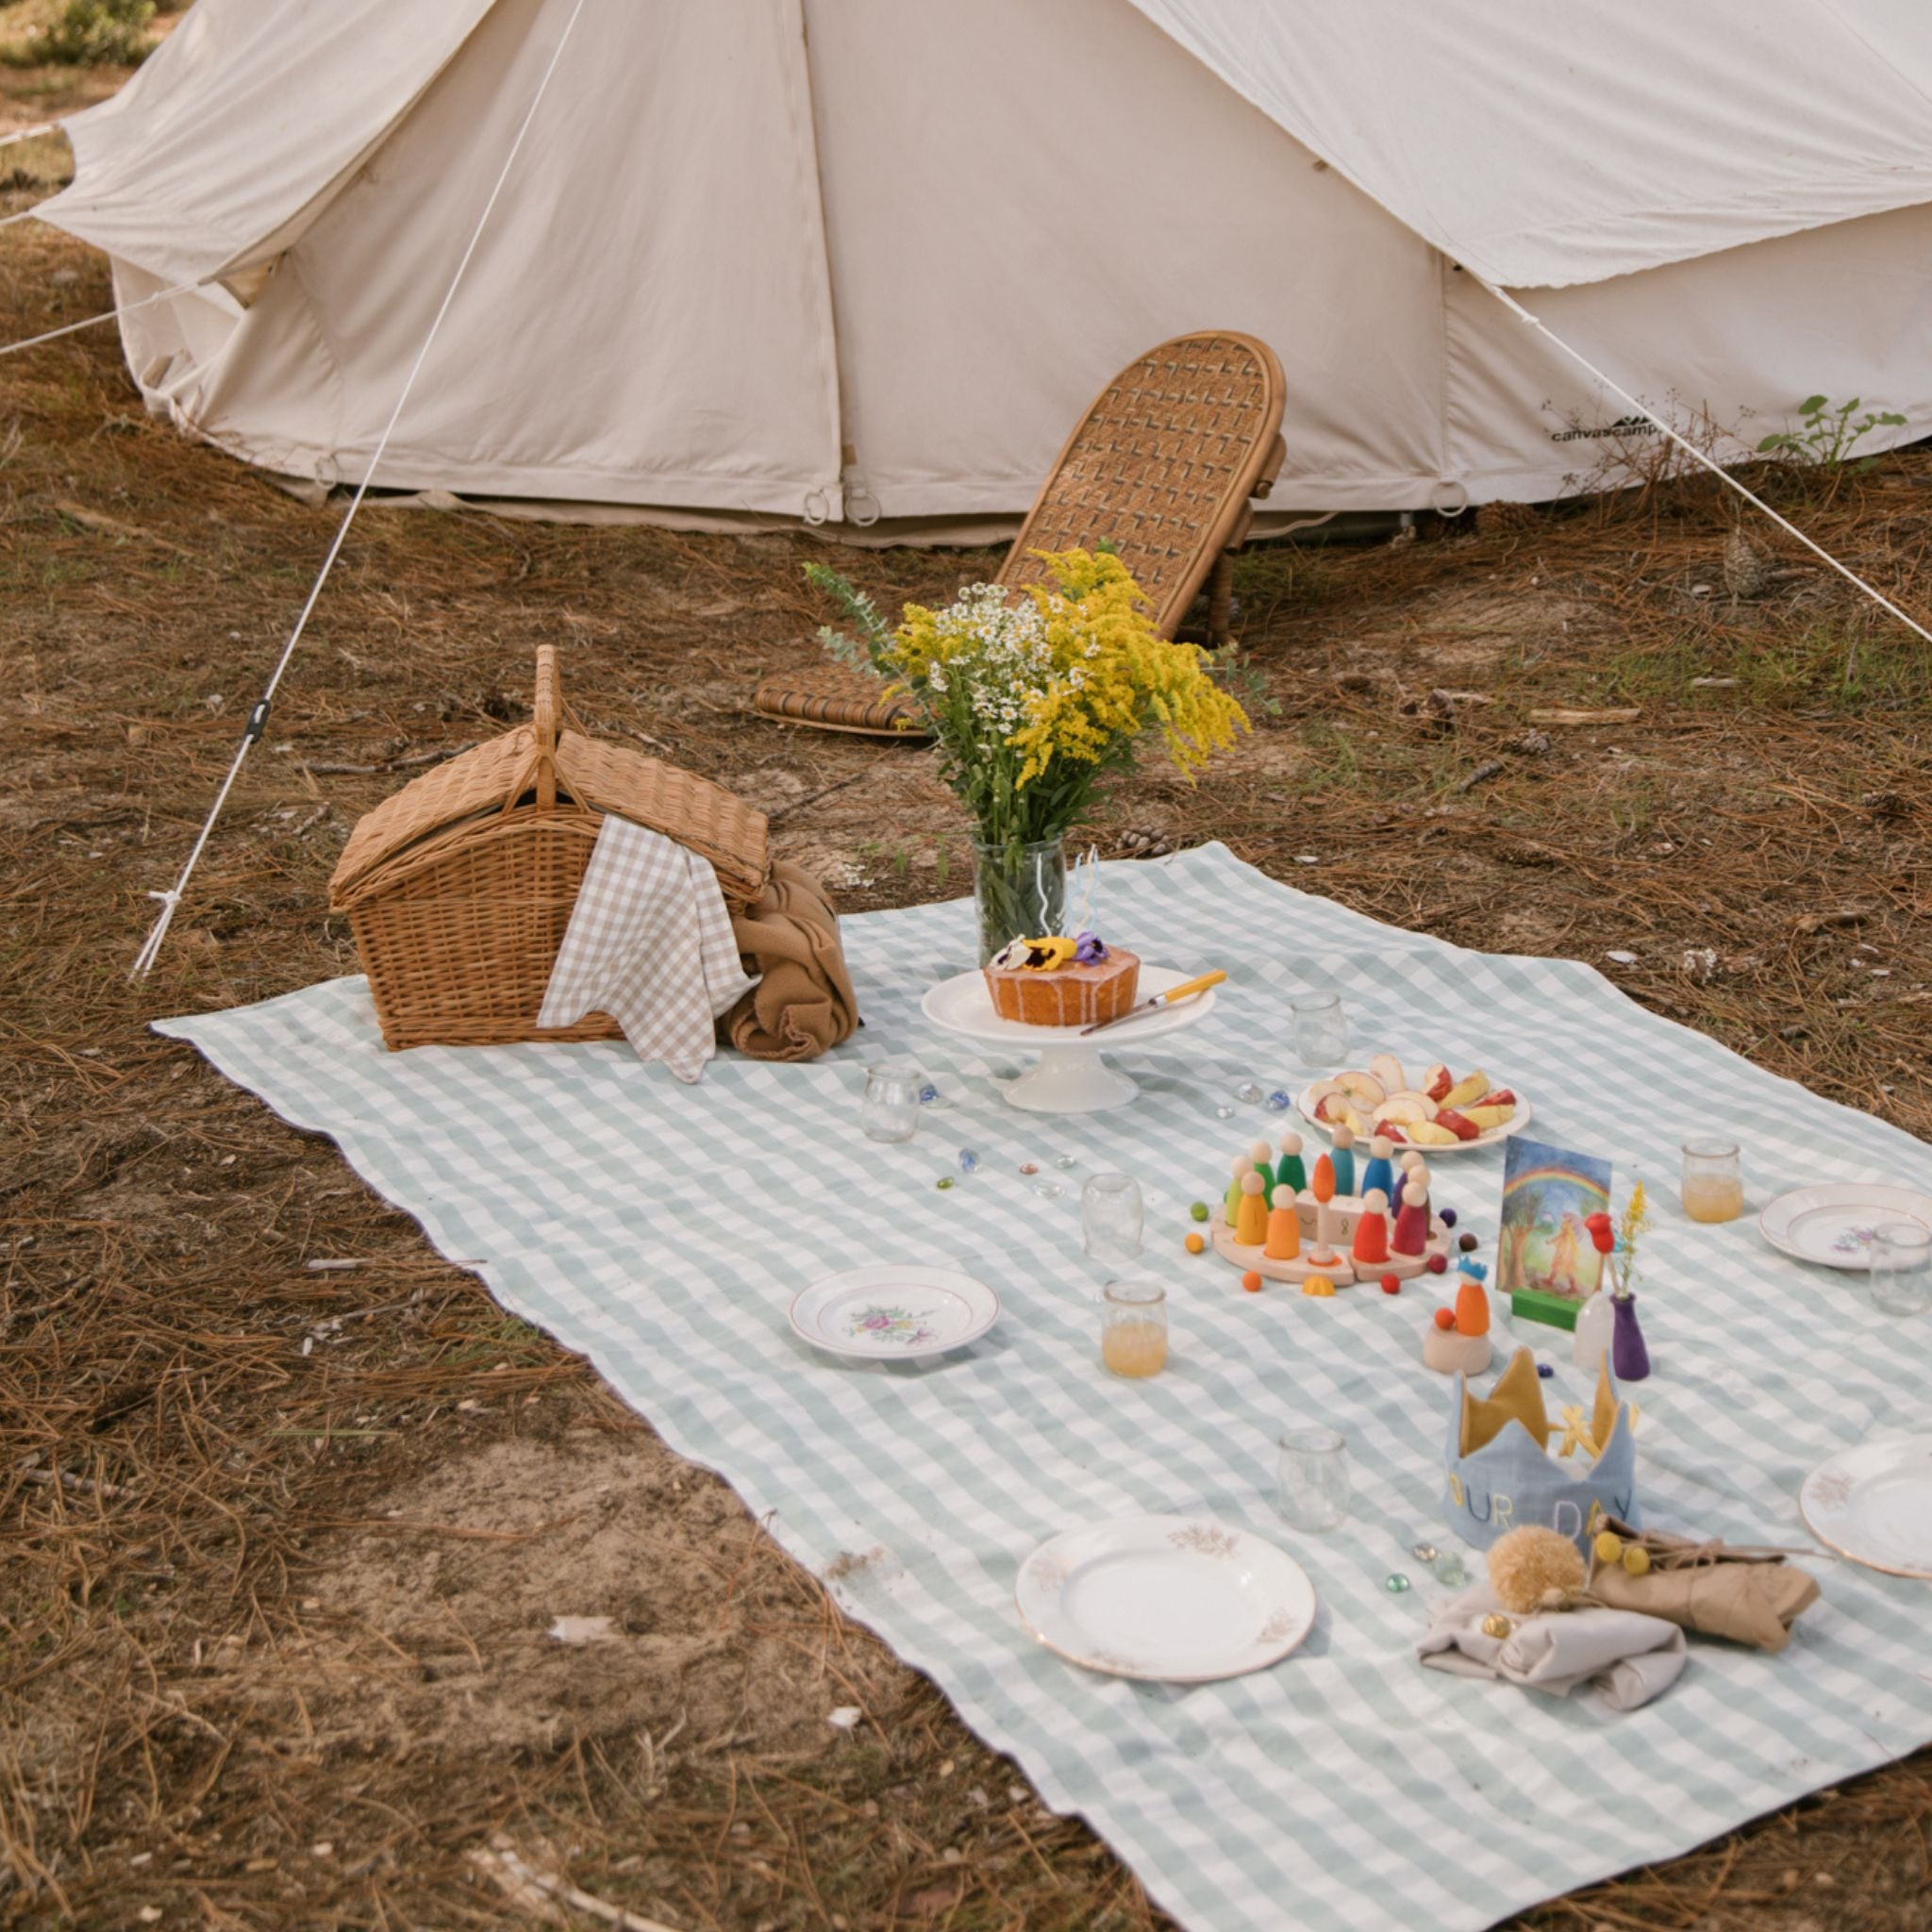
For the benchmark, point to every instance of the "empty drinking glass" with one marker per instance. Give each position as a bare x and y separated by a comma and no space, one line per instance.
1111,1217
1321,1030
1900,1262
890,1108
1314,1477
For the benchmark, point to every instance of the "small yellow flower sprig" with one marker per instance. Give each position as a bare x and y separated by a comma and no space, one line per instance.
1635,1219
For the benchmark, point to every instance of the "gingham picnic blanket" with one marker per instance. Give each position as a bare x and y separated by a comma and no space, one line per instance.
649,942
1346,1787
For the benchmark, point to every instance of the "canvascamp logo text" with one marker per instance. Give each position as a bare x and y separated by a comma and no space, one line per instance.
1624,425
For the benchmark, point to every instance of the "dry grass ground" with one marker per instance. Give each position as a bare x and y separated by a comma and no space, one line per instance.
282,1543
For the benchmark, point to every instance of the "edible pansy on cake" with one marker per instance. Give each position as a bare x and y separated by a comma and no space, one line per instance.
1063,982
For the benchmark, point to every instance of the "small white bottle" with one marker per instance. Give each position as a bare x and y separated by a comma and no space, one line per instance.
1595,1323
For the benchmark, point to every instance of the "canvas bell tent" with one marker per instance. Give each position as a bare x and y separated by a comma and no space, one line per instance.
844,260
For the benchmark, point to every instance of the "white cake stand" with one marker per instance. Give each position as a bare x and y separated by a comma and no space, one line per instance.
1070,1076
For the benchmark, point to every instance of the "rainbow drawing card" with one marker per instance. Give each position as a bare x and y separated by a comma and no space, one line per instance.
1545,1261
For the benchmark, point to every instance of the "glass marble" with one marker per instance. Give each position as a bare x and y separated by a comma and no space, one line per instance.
928,1095
1280,1101
968,1161
1249,1094
1395,1583
1048,1190
1064,1162
1029,1167
1424,1553
1223,1112
945,1180
1450,1569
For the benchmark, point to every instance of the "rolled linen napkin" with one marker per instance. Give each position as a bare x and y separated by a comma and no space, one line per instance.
803,1004
1749,1595
1628,1658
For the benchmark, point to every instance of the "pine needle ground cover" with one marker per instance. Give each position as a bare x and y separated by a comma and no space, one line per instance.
289,1507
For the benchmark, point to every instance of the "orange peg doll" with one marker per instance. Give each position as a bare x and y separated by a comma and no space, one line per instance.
1284,1228
1251,1224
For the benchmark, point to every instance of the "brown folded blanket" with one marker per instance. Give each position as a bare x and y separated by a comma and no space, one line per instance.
1750,1595
804,1002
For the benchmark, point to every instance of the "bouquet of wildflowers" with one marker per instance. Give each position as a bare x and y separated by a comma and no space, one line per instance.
1035,693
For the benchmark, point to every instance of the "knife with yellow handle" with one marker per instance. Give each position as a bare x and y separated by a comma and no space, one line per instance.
1187,989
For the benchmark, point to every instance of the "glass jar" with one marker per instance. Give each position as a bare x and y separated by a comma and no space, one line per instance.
1111,1217
1321,1030
1313,1477
1900,1259
1133,1328
889,1111
1019,891
1713,1188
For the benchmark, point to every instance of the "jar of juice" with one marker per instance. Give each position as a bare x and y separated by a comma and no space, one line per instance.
1713,1183
1133,1327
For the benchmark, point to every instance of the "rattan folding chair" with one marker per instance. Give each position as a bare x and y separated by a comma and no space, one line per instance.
1165,466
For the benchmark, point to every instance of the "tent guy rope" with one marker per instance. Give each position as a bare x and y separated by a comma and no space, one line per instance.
94,320
29,133
1716,468
257,717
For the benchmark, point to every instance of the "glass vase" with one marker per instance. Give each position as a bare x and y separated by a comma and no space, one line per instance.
1019,892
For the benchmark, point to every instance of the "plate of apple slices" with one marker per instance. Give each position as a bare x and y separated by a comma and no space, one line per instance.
1440,1110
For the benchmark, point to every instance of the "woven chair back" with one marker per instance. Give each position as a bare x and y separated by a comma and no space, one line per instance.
1162,466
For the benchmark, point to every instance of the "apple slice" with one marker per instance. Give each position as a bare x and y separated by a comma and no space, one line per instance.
1331,1106
1458,1124
1319,1093
1431,1133
1411,1098
1351,1116
1436,1082
1387,1069
1405,1106
1488,1117
1366,1089
1498,1096
1392,1132
1471,1087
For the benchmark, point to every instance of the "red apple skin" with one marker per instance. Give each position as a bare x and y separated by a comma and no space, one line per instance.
1392,1132
1501,1097
1463,1129
1436,1082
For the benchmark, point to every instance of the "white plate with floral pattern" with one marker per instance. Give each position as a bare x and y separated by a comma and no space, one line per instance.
1872,1503
1172,1599
1833,1224
893,1312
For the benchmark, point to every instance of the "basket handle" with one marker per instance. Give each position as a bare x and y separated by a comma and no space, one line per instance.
544,714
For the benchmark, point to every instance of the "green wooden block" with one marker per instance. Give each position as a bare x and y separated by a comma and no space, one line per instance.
1539,1305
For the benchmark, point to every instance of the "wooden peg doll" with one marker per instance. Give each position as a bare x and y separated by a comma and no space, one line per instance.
1264,1166
1372,1230
1289,1170
1251,1224
1283,1225
1411,1235
1379,1174
1231,1206
1343,1159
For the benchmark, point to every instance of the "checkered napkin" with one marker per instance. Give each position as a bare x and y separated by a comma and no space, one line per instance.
649,942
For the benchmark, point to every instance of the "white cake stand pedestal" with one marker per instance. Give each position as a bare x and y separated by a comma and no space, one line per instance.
1070,1074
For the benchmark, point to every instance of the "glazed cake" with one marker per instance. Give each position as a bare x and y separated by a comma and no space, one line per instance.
1063,982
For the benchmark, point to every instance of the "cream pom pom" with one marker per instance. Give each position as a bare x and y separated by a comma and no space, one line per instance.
1535,1569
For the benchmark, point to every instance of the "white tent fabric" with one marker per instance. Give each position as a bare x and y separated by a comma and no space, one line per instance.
844,258
1539,146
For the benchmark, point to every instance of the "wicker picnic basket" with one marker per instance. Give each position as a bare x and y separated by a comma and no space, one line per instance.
458,889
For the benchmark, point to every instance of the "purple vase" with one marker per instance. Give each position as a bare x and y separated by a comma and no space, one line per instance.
1629,1359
